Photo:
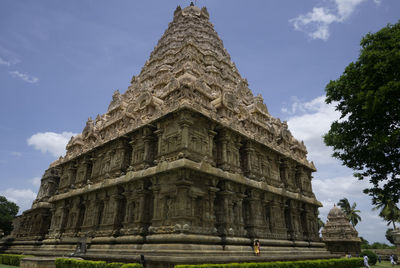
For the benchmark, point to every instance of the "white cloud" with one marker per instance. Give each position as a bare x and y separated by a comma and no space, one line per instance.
308,122
22,197
330,190
4,62
316,22
51,142
35,181
26,77
344,185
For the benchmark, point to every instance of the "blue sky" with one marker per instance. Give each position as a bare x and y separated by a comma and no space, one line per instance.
60,62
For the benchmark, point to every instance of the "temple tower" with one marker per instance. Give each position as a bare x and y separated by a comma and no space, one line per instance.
187,160
339,235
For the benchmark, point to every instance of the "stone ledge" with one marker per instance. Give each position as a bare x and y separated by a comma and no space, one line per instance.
184,163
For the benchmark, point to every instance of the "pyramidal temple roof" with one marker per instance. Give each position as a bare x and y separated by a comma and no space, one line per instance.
188,68
338,227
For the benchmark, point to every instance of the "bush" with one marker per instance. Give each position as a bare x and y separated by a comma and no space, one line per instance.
132,265
66,263
11,259
115,265
372,258
331,263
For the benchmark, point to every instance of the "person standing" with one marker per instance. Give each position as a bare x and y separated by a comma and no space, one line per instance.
366,261
256,247
392,262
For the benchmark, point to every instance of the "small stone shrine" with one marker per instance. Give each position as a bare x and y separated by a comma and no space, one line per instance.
396,238
339,235
186,166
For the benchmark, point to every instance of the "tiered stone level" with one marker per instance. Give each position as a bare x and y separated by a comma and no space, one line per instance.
186,159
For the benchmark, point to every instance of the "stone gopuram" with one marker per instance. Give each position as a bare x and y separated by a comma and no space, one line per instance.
339,235
186,166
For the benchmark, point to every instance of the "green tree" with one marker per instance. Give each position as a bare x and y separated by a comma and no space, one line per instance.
350,211
321,224
364,243
366,138
388,210
8,210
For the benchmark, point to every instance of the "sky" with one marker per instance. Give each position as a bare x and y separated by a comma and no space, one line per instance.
61,61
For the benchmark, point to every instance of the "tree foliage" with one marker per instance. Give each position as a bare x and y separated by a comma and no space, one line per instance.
366,138
350,211
388,210
364,242
8,210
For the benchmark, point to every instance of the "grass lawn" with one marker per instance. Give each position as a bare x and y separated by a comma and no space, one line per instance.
384,264
6,266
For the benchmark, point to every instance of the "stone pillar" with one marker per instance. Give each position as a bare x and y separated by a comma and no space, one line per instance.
96,166
106,163
211,135
130,204
256,225
118,210
99,214
104,217
278,227
89,220
155,188
295,219
64,216
159,132
224,210
148,156
247,165
283,172
184,124
210,210
224,157
128,222
53,223
267,216
82,208
143,209
299,178
183,201
239,217
71,174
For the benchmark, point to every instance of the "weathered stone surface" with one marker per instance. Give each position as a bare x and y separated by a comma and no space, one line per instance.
339,235
185,160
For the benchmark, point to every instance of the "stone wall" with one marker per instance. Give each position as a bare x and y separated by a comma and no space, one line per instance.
271,196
